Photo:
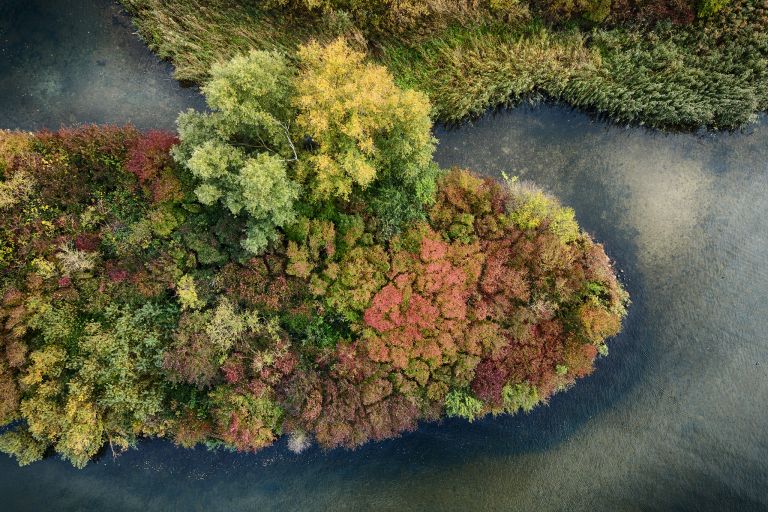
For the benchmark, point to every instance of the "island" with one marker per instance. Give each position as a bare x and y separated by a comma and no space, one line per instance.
292,262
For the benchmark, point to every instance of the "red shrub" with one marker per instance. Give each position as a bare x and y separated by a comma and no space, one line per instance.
260,286
651,11
117,275
149,159
191,430
149,153
392,416
193,360
579,358
88,242
9,396
15,353
490,377
73,163
384,312
421,313
432,249
535,360
234,370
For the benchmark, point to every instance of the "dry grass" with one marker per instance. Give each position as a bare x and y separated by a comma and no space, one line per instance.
194,34
469,70
713,73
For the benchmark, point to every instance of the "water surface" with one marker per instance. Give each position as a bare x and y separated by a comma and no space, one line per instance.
78,61
674,419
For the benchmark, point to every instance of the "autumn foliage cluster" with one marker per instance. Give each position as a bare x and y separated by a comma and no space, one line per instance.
130,307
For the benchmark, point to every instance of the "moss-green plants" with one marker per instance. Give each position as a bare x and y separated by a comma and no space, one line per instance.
710,73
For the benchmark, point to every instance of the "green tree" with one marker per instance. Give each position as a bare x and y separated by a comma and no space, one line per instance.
241,152
520,396
93,383
462,404
363,139
22,445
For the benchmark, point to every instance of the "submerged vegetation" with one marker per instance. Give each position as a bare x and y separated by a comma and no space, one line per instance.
293,263
663,63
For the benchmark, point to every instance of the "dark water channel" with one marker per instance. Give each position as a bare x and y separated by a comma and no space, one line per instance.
676,418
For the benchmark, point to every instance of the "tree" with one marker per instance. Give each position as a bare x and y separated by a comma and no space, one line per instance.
241,152
462,404
20,443
94,383
366,129
360,133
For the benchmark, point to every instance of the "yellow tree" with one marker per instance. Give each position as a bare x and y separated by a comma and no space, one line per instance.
363,126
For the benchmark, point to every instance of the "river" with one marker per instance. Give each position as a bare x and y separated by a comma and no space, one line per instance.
674,419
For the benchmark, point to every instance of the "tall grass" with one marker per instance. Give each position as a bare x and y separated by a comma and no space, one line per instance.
467,70
712,73
194,34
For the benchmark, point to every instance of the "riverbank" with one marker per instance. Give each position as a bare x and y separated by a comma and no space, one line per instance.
709,73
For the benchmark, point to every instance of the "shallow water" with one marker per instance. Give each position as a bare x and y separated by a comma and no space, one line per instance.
78,61
674,419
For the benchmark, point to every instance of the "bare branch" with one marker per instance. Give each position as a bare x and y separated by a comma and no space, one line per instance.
290,142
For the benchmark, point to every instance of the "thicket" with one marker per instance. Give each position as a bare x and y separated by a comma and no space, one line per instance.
672,64
241,283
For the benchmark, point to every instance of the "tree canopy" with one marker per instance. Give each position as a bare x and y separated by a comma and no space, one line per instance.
292,263
277,137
